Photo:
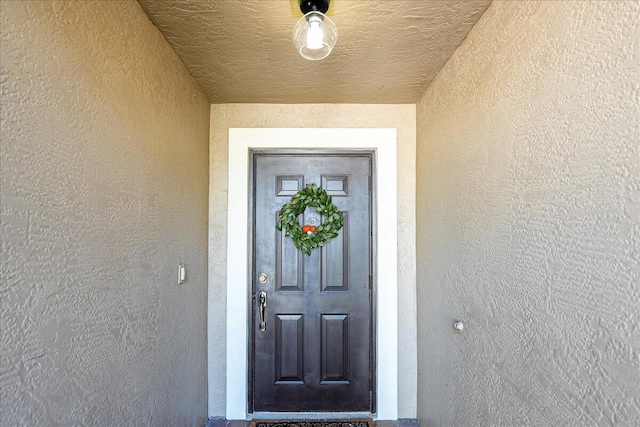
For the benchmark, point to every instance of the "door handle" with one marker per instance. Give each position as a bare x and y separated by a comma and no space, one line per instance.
262,303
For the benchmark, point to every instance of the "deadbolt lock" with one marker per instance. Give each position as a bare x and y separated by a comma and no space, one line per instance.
262,278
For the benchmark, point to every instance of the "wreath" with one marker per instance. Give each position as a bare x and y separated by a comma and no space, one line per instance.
309,236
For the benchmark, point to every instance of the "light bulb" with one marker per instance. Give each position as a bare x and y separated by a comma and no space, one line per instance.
315,35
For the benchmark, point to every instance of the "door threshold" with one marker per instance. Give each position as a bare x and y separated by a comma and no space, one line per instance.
223,422
309,415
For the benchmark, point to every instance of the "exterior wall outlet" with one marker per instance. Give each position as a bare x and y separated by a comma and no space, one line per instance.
182,275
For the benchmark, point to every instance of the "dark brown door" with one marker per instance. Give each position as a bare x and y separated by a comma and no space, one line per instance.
316,353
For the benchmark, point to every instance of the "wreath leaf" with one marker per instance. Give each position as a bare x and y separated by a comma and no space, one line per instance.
316,197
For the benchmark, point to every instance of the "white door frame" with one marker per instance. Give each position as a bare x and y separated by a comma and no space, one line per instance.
384,143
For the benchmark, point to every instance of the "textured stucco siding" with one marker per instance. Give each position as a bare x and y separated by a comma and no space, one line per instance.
104,177
528,220
402,117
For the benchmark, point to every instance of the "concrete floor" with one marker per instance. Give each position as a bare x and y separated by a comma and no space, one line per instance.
222,422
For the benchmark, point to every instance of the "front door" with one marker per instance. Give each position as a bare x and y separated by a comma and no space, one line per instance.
316,353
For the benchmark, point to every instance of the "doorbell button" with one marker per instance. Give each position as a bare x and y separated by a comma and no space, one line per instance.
458,327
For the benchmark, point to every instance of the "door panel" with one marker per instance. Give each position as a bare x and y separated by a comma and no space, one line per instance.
289,348
289,263
316,353
335,261
335,348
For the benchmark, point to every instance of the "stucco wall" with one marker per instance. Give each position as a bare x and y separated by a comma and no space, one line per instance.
402,117
104,191
528,207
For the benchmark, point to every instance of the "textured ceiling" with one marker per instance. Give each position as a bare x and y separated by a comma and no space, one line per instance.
387,51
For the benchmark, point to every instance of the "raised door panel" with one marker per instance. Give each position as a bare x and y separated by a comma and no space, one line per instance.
335,348
335,260
289,263
289,348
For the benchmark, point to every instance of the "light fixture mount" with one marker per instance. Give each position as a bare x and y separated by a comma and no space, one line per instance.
315,34
307,6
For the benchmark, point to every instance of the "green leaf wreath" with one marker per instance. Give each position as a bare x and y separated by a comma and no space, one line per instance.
309,237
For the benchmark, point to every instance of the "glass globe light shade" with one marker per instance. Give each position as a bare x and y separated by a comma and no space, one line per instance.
315,35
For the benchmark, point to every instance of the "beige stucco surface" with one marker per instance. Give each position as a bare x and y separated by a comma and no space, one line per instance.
104,177
528,220
387,51
402,117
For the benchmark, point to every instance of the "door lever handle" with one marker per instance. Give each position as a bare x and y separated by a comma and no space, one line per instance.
262,303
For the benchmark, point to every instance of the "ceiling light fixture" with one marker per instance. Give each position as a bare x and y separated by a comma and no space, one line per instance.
315,34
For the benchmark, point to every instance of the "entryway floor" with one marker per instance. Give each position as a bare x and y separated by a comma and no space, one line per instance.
221,422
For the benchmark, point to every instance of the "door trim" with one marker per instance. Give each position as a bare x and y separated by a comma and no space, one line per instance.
384,143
